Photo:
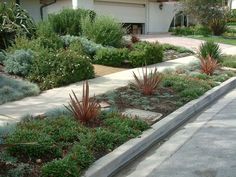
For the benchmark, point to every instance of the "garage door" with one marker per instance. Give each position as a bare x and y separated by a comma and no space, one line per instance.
125,12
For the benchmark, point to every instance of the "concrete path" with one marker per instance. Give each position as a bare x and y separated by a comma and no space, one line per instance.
59,96
189,43
205,147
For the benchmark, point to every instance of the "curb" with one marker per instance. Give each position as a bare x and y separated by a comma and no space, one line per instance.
109,164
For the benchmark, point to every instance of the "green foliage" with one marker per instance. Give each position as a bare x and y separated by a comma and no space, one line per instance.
210,49
2,57
167,47
13,89
68,39
61,167
68,21
47,38
192,30
89,46
58,69
14,21
19,63
103,30
209,13
232,18
187,88
229,61
77,47
81,143
111,56
145,53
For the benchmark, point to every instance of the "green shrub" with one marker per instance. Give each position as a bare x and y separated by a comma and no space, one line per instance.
210,49
68,39
61,167
14,21
183,31
111,56
176,48
2,57
13,89
89,46
145,53
187,88
229,61
77,47
19,63
68,21
47,38
58,69
103,30
202,30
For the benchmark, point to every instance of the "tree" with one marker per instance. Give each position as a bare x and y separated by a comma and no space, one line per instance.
211,13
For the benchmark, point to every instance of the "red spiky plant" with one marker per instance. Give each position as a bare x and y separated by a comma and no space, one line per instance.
148,82
208,65
134,39
86,111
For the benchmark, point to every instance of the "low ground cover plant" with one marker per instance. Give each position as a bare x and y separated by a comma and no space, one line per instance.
70,146
229,61
15,89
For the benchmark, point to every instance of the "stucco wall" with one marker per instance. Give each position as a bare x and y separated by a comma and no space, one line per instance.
160,20
233,4
33,7
58,6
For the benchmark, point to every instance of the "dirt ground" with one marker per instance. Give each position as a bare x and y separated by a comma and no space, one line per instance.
104,70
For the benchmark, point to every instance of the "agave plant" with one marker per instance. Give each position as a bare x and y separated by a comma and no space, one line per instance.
208,65
86,110
210,49
148,82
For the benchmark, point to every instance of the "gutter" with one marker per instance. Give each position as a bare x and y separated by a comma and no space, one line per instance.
45,5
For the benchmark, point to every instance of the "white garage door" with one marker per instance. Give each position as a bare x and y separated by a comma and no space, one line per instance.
125,12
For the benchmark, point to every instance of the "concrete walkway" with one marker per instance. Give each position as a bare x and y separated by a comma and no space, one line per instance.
189,43
205,147
59,96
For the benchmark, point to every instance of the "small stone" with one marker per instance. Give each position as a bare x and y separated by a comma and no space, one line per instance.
38,161
147,116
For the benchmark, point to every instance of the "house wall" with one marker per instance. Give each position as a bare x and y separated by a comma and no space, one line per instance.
160,20
33,7
233,4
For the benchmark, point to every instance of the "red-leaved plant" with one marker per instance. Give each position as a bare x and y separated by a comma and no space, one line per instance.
208,65
148,82
86,110
134,39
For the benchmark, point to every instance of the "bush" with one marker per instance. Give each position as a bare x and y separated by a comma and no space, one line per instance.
89,46
111,56
77,47
183,31
13,89
229,61
58,69
145,53
202,30
68,21
2,57
68,39
47,38
61,167
19,63
210,49
14,21
103,30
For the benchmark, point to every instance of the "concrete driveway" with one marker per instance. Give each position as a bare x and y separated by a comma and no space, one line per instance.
193,44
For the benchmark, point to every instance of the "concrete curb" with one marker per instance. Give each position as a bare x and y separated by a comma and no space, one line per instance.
110,163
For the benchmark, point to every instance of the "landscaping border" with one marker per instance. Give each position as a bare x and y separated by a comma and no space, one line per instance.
109,164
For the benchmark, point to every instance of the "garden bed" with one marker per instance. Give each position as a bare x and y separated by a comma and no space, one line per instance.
71,147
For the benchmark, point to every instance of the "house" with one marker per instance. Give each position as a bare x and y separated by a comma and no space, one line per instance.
232,4
142,16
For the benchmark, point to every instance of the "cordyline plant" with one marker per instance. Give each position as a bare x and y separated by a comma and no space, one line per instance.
86,110
148,82
208,65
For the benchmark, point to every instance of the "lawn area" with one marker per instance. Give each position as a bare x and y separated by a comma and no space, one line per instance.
229,61
217,39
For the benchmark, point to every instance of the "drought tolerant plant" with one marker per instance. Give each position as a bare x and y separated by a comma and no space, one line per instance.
210,49
15,89
14,21
2,57
19,63
148,82
145,53
134,39
86,110
54,69
68,21
111,56
208,65
103,30
89,46
229,61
